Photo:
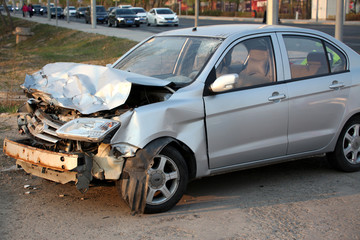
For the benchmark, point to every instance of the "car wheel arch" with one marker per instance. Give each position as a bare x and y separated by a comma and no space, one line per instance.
182,148
335,157
133,182
344,123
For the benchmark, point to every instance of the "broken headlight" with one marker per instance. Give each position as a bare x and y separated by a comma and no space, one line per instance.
87,129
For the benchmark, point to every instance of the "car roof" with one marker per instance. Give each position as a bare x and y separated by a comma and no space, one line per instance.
225,31
161,8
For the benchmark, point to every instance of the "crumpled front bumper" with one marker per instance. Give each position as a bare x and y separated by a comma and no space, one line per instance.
55,166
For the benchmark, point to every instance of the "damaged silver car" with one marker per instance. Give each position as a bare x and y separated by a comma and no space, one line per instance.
191,103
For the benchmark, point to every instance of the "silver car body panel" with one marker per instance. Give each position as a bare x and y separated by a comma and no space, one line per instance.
86,88
262,137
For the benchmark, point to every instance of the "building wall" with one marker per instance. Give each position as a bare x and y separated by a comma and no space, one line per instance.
327,8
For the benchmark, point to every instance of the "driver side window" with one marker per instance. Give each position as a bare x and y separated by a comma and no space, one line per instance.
252,60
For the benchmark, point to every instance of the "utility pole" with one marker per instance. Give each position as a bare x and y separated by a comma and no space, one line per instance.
93,13
272,14
196,13
339,20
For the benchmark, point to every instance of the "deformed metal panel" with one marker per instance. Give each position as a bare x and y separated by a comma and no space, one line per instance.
86,88
49,174
41,157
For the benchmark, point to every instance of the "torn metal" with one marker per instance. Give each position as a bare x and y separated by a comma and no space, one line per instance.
86,88
133,184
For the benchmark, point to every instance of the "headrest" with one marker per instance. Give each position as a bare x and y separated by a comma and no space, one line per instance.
317,57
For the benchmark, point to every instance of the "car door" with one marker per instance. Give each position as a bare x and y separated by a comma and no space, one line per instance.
318,89
151,16
249,122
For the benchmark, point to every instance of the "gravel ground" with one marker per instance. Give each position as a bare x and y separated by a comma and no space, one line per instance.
297,200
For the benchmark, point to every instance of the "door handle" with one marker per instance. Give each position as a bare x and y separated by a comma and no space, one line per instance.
335,85
276,97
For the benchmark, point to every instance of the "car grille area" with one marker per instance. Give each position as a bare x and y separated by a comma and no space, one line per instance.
40,125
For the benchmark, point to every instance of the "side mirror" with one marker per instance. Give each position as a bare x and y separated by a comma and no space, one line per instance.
224,83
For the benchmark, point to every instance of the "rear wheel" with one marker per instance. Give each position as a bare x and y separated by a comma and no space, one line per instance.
346,156
168,177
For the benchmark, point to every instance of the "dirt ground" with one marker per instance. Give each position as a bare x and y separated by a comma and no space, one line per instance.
298,200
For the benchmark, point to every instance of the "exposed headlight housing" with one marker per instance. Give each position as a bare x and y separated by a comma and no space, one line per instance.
87,129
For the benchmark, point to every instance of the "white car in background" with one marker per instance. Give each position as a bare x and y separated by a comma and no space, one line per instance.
72,11
162,16
141,13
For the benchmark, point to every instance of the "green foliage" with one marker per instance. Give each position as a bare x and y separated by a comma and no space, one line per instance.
8,108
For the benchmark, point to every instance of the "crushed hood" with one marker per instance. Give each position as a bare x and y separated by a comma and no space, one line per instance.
86,88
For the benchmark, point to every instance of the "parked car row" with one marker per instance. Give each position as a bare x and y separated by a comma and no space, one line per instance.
125,15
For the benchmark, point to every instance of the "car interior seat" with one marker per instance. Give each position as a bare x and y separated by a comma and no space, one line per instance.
257,70
317,63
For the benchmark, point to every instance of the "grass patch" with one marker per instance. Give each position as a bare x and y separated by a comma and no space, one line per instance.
53,44
9,108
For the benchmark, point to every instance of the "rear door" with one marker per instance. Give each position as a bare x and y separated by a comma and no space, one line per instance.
318,88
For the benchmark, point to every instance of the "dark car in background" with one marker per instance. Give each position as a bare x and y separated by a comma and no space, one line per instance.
44,10
37,9
80,12
141,13
59,11
123,17
101,14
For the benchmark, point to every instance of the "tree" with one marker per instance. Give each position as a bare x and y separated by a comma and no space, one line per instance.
10,25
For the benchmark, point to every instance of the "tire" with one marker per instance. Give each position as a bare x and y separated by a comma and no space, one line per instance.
346,156
116,24
109,23
176,25
137,25
167,176
148,24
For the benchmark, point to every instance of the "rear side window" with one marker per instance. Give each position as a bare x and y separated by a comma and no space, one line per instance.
310,57
336,58
307,56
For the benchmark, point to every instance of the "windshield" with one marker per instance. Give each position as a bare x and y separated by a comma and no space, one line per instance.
100,9
138,10
164,11
175,59
59,9
125,11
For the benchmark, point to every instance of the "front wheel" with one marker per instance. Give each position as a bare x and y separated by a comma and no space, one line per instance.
346,156
168,177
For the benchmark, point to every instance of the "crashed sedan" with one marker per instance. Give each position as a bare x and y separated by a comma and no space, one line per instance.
191,103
